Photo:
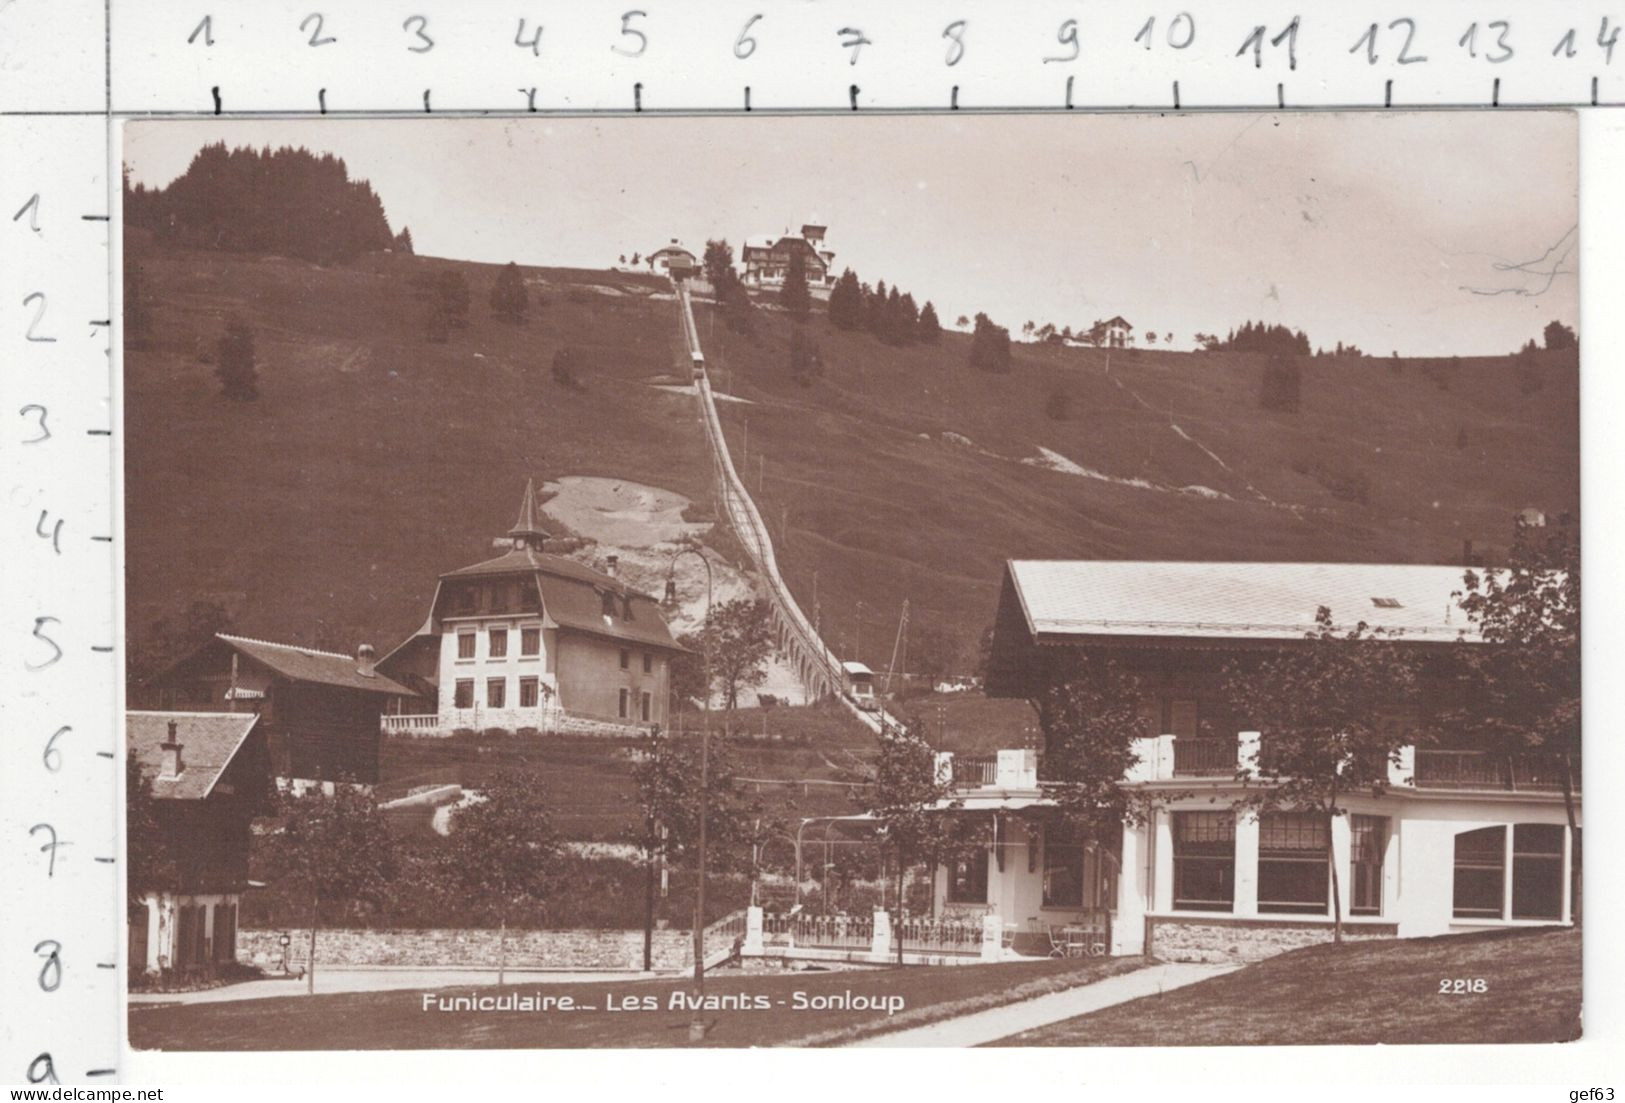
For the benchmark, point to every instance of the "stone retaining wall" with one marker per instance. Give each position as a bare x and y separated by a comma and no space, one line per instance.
1229,940
474,949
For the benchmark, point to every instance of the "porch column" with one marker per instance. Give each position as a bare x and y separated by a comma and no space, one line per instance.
1403,773
1162,850
992,936
1246,864
1342,855
880,948
154,947
1247,752
1128,924
753,931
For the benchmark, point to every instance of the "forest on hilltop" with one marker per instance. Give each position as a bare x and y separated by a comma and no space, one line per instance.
288,202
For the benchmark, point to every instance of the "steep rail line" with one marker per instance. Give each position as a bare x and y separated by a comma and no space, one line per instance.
815,664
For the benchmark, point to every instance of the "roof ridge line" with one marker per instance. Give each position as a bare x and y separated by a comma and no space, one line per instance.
285,646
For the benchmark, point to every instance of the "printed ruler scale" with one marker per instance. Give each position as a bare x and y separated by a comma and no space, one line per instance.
71,71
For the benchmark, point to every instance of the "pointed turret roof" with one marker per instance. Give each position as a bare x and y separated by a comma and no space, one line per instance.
526,528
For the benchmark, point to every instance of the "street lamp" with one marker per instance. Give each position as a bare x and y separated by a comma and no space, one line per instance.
696,1027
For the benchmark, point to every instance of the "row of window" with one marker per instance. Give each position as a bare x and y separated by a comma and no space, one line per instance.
1513,871
648,661
496,643
1294,872
496,693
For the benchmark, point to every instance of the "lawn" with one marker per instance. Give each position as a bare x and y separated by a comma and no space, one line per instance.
1360,993
765,1011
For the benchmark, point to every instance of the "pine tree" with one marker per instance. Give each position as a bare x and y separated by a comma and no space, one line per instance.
234,362
509,299
846,302
403,241
929,329
794,296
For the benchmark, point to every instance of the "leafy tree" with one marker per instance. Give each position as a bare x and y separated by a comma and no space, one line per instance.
1027,329
1045,332
989,346
913,804
509,298
1150,336
504,848
670,779
1097,333
235,365
793,295
168,640
929,329
737,638
336,848
846,302
1089,724
962,322
1207,342
1327,714
1520,691
1559,336
718,263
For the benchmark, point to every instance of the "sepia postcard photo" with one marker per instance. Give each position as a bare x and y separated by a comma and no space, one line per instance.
939,580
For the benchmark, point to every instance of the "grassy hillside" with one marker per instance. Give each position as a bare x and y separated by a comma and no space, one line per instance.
374,460
900,474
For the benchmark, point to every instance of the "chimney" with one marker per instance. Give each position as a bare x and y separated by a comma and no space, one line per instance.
365,657
170,765
611,562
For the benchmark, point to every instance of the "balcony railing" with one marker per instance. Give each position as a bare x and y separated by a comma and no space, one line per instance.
941,935
1205,757
825,932
974,771
410,724
1440,769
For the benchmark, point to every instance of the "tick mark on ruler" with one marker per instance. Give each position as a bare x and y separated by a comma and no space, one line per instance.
104,754
747,97
852,94
321,99
953,99
101,648
1280,96
1176,95
107,861
107,965
1495,93
215,92
1593,91
426,109
637,96
1069,93
101,321
99,432
1388,93
100,1072
103,539
104,218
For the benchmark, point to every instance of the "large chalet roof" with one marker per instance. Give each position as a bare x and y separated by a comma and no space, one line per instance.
306,664
572,595
1073,600
209,741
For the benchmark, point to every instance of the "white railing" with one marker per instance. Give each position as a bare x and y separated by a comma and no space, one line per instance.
413,723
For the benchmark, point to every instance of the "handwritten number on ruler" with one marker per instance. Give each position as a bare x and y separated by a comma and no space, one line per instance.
852,38
206,29
48,849
54,534
425,43
39,315
955,34
53,757
1369,41
1606,40
534,42
745,44
42,1070
1067,36
39,634
316,38
1181,31
39,413
1255,42
50,974
627,29
1502,28
31,208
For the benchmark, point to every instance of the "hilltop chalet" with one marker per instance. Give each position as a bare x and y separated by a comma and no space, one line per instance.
1460,841
674,260
531,641
767,258
1119,333
210,776
318,710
